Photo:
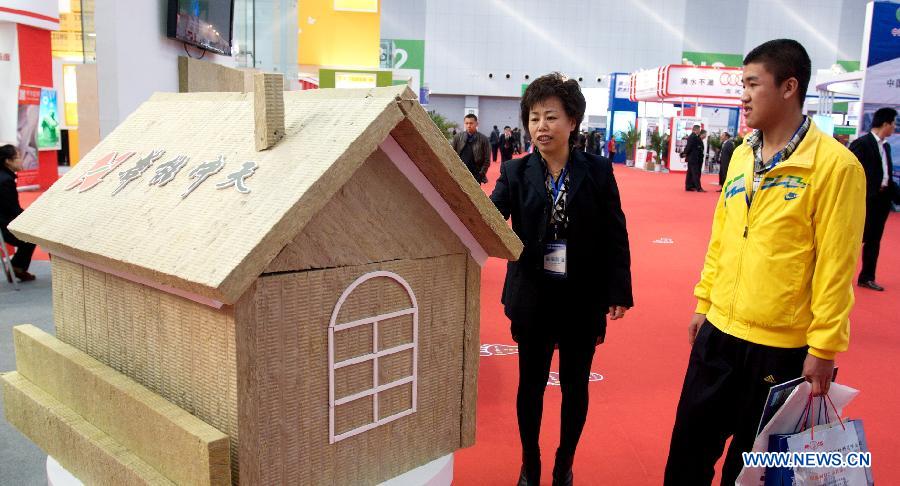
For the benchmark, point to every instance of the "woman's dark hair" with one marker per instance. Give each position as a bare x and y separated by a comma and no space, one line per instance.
7,152
567,90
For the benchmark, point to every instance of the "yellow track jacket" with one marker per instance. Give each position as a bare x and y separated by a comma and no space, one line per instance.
780,273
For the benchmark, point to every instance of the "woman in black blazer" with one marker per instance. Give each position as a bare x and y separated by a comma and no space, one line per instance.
10,163
574,270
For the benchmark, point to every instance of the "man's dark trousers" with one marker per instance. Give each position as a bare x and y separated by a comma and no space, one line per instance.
878,208
724,392
692,178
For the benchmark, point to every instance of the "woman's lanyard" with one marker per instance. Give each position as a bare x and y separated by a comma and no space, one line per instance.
557,185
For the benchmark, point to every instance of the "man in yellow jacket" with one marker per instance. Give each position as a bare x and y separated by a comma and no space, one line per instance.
775,291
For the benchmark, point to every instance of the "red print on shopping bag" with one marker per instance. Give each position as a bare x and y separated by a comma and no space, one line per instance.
99,170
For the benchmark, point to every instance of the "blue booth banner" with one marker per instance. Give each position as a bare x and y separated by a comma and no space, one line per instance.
622,111
881,58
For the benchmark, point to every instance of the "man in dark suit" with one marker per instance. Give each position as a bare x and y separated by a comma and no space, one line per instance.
875,156
495,142
507,144
693,153
725,158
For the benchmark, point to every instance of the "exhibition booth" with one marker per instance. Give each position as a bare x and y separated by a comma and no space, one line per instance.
673,98
29,114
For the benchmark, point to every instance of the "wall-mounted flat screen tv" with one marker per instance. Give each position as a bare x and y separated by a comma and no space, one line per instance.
202,23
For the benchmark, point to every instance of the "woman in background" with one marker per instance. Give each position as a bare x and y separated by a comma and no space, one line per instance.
10,163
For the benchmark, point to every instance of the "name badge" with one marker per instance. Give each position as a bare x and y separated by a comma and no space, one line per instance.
555,259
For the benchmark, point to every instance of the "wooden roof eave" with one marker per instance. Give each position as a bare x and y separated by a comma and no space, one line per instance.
424,143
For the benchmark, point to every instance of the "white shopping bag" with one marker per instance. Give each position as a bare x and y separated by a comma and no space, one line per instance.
840,436
785,422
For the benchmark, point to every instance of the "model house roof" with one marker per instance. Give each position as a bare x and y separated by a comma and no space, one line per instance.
164,196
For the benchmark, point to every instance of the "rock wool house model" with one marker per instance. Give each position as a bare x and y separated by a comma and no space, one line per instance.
259,288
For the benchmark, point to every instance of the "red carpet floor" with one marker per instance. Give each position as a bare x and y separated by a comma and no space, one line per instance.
643,361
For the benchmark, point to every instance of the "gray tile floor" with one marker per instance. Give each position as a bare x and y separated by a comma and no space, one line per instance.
22,462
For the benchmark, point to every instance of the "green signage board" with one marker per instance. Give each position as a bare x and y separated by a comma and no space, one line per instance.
403,54
839,130
850,66
717,59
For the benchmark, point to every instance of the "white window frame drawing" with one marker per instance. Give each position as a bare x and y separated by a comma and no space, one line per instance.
373,356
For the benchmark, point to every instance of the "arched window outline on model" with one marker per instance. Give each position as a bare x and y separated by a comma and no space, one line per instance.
373,356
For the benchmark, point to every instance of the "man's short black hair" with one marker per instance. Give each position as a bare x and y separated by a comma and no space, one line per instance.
507,126
472,116
785,59
882,116
695,127
567,90
495,127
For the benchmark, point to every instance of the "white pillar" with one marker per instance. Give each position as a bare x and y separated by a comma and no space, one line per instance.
134,57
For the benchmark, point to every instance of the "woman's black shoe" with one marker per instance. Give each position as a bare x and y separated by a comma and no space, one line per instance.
562,470
530,475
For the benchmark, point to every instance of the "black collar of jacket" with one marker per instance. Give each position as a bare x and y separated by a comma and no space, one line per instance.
872,141
534,172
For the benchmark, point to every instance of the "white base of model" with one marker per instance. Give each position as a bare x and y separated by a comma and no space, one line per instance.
438,472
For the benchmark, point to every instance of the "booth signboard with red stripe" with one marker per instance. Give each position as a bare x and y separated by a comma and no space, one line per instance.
703,82
674,83
43,14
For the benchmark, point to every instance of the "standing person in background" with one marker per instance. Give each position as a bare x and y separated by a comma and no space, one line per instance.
517,140
875,156
725,158
10,163
693,154
775,293
704,150
507,145
574,270
527,136
495,142
598,143
611,148
589,140
473,148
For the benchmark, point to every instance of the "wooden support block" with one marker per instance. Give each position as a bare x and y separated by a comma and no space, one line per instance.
268,109
84,450
471,353
178,445
196,76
